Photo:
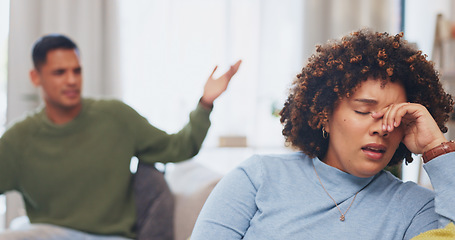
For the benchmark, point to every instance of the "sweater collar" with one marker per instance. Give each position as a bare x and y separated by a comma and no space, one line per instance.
68,125
335,180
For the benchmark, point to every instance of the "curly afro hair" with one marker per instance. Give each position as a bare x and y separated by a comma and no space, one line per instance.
336,70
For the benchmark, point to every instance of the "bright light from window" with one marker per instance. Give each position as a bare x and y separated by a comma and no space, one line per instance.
177,43
4,29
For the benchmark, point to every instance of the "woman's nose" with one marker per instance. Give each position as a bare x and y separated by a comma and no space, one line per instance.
377,129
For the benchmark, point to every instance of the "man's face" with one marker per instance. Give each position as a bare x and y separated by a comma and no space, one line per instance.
60,78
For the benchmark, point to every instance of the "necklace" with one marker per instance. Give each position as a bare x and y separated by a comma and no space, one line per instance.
343,215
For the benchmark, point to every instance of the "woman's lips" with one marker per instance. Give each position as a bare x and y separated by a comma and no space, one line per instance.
374,151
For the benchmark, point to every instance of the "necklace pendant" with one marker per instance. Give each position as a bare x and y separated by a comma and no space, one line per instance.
342,218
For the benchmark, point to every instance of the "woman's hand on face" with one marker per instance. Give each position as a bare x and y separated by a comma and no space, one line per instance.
421,132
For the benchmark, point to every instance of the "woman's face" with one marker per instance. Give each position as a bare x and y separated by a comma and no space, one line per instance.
357,143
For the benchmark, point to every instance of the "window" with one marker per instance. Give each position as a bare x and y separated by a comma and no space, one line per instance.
169,48
4,26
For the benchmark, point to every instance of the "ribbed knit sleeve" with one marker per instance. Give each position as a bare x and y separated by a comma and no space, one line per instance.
441,171
232,204
154,145
7,168
12,144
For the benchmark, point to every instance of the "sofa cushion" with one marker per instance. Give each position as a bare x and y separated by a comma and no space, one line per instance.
154,203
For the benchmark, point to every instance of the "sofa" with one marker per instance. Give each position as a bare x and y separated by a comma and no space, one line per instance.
168,203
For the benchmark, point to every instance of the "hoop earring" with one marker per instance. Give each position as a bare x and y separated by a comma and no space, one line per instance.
325,134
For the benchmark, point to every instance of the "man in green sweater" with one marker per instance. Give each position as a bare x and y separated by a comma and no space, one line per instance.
70,160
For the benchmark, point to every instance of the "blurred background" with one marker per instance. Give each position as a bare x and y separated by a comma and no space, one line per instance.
156,55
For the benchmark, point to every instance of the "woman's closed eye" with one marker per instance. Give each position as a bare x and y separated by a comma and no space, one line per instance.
362,112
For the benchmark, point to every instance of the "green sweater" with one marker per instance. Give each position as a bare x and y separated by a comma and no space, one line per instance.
78,175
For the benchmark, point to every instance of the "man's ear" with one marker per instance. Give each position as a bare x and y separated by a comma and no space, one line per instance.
35,77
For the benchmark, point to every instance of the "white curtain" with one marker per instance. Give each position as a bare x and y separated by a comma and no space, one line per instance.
92,24
328,19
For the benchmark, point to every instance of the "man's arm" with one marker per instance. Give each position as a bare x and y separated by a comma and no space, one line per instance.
7,170
155,145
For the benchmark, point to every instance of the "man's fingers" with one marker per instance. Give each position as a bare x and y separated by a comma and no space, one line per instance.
211,75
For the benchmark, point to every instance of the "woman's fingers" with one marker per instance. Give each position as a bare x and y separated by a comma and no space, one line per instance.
395,114
392,115
420,129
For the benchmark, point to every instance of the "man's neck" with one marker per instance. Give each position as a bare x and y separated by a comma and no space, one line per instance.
62,115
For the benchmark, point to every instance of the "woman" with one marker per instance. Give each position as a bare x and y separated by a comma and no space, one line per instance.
360,104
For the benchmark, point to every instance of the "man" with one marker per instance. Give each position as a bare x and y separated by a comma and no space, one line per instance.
70,161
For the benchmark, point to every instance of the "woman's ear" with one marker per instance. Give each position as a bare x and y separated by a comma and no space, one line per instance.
325,118
326,125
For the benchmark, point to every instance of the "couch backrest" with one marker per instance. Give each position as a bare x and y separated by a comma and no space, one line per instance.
154,203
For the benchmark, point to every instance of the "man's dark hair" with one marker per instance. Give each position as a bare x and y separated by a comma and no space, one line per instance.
47,43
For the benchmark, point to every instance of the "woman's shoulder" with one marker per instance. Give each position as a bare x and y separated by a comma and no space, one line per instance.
405,191
294,163
402,185
277,160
